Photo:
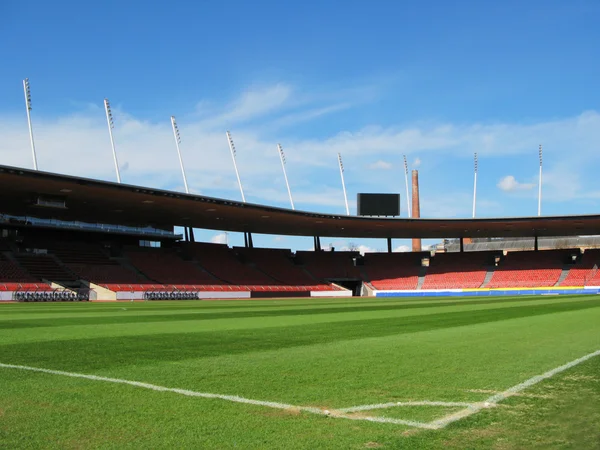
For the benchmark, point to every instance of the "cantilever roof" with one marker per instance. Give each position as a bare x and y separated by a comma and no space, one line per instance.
112,203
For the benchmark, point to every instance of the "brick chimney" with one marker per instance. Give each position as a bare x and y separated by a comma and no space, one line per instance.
416,208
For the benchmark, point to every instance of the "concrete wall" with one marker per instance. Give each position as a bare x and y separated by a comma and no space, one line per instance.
331,293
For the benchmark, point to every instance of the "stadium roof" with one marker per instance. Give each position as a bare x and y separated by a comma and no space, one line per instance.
96,201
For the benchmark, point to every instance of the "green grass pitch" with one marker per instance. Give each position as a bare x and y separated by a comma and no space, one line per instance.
325,354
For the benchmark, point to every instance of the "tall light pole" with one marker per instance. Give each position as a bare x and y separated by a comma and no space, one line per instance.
406,183
27,90
540,184
282,158
177,142
475,187
343,183
111,125
237,173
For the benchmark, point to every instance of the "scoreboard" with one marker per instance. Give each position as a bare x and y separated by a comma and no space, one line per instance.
378,204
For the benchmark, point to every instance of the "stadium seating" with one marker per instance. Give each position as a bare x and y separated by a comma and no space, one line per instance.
529,269
183,270
387,271
279,265
330,265
44,267
220,261
165,266
585,271
14,278
89,262
457,270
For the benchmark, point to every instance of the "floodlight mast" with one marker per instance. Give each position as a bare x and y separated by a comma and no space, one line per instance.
111,125
177,142
27,90
282,158
540,184
475,187
343,183
406,183
237,173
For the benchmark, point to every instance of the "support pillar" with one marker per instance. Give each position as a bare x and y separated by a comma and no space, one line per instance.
462,245
245,239
250,243
535,244
187,237
389,243
318,243
191,235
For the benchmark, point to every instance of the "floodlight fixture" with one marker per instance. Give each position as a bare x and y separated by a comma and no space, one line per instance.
233,155
476,164
27,91
343,183
540,183
177,137
406,184
111,125
283,162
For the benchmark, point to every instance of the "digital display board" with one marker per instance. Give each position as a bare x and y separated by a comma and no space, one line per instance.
378,204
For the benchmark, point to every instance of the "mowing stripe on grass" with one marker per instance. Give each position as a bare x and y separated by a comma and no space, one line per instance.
495,399
231,398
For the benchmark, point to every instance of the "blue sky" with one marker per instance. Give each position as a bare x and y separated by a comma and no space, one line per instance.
374,80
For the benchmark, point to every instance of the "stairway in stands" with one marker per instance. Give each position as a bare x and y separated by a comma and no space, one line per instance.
488,276
422,273
563,275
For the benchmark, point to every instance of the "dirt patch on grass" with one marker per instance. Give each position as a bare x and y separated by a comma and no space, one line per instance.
581,378
483,391
373,445
476,435
411,432
281,412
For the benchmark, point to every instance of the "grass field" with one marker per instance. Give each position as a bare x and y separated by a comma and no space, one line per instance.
305,357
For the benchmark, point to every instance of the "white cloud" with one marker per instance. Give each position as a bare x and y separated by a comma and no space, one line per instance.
509,183
380,165
365,249
78,144
220,238
252,104
416,163
403,248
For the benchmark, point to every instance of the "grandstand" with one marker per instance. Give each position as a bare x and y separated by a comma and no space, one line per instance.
105,241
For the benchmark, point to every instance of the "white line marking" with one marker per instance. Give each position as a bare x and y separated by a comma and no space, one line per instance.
470,408
231,398
393,404
495,399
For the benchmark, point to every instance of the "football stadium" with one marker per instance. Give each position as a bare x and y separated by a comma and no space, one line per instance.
117,329
154,299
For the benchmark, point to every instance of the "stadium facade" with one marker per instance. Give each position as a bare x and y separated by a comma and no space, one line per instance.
72,238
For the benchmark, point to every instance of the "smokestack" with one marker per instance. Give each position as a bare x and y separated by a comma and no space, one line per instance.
416,209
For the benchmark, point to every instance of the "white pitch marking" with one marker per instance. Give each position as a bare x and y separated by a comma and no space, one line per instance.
492,401
393,404
231,398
